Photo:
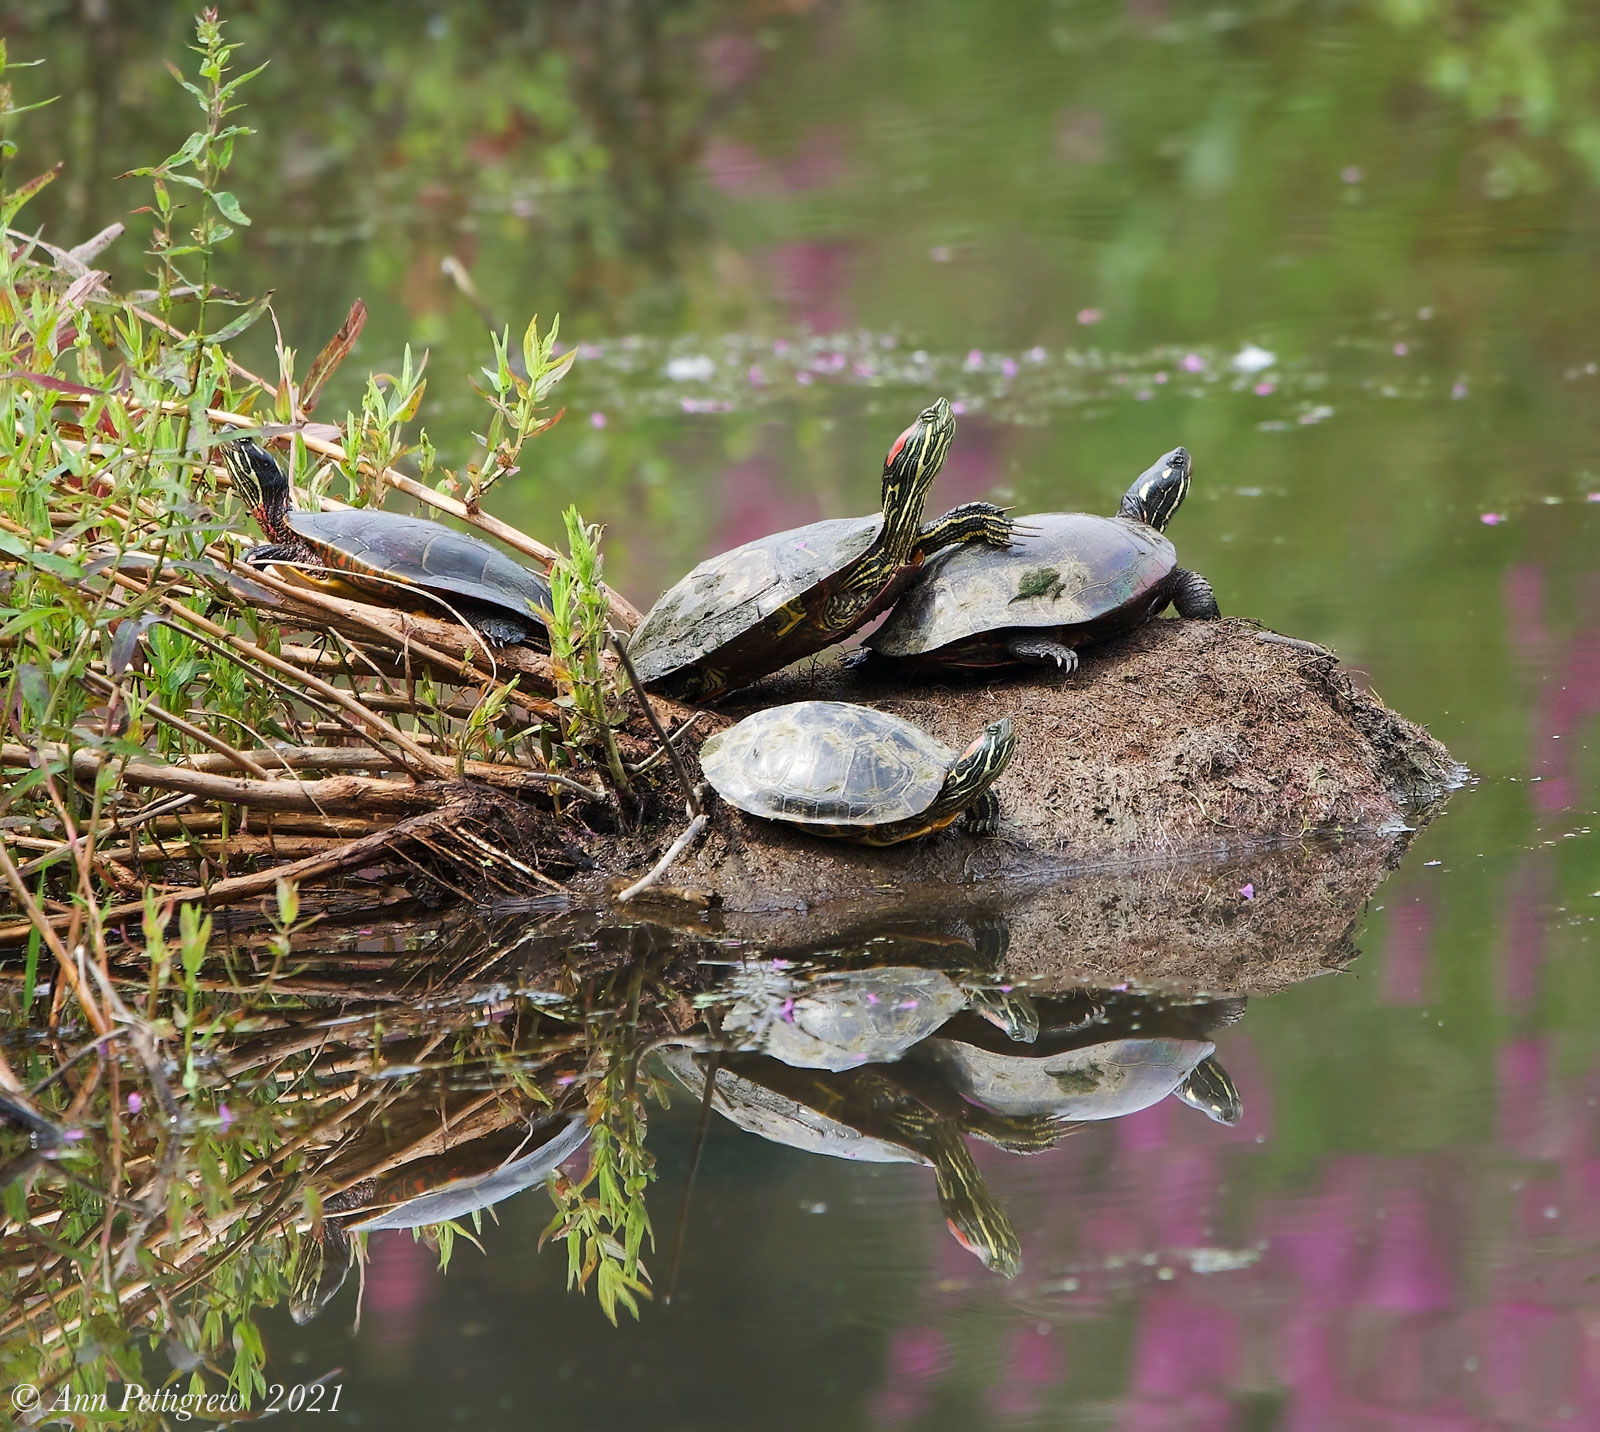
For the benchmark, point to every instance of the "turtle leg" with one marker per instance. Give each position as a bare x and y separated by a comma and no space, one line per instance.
970,522
1193,597
982,816
1041,649
500,628
270,552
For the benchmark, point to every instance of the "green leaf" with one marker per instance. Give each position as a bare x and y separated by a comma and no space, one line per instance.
230,207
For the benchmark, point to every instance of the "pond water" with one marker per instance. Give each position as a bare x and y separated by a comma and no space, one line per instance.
1347,255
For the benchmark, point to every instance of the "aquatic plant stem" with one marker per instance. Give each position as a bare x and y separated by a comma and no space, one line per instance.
679,769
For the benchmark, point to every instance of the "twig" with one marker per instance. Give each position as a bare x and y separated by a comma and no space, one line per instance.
690,798
1279,639
681,844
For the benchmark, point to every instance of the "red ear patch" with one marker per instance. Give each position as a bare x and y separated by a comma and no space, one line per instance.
900,443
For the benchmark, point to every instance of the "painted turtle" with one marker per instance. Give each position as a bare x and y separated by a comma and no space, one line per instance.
746,613
1069,579
387,557
867,1115
854,773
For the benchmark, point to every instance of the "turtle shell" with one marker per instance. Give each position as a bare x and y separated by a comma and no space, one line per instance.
827,763
729,595
1099,1081
1073,569
742,1098
838,1019
368,542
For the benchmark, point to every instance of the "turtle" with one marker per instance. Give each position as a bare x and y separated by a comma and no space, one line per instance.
750,611
867,1115
1130,1053
429,1191
387,557
1068,580
855,773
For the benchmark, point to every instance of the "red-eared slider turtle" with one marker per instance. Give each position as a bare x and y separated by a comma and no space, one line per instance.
847,771
1133,1054
864,1114
746,613
1068,580
389,558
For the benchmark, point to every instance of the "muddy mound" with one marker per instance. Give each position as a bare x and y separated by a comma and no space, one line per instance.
1185,740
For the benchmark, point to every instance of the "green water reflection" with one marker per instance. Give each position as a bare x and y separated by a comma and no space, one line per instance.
1093,222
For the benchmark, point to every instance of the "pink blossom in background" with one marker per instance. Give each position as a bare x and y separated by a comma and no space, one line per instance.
401,1277
1193,363
1265,390
1089,316
1492,519
597,420
1405,958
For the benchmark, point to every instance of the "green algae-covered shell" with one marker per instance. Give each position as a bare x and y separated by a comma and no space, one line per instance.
1073,569
827,763
365,543
728,595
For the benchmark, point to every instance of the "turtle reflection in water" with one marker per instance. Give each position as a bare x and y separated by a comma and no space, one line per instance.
880,1114
1096,1057
840,1018
425,1192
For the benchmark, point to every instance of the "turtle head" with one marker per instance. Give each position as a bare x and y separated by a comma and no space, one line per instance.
1159,491
260,483
913,462
1210,1090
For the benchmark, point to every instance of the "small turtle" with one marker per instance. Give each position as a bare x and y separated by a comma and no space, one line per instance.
389,558
1068,580
746,613
868,1116
854,773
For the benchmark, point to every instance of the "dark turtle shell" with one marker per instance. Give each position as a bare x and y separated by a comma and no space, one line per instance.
701,620
827,763
1073,573
375,550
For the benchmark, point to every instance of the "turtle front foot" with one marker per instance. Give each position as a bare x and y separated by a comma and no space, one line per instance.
270,552
983,816
1042,649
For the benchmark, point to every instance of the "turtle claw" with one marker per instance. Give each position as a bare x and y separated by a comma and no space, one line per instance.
1042,649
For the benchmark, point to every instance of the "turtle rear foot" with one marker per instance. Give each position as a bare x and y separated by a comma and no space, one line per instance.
1193,597
1041,649
505,629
